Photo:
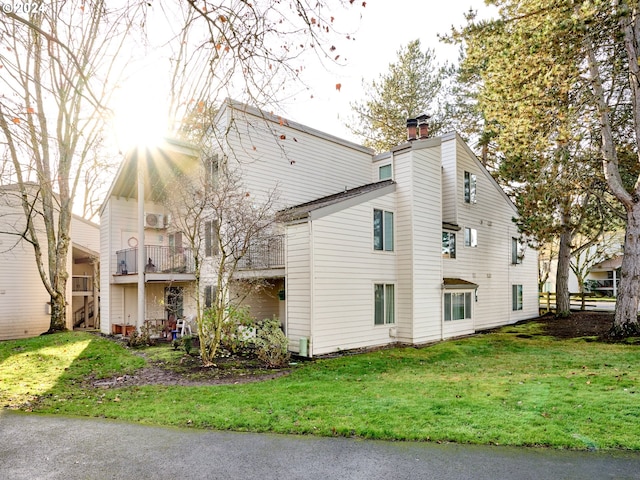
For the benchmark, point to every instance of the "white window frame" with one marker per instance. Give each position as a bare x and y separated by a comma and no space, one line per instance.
449,255
388,302
470,237
380,177
517,251
470,187
467,305
387,242
517,297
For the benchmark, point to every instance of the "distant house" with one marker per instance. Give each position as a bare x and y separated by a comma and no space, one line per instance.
24,301
604,277
601,266
411,246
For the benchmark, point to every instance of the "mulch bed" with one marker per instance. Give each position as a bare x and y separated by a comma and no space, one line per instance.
578,324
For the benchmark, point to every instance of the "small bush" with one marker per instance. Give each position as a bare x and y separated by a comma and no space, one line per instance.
141,339
187,343
271,344
238,332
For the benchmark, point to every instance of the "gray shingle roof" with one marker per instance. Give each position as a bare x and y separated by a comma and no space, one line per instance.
302,210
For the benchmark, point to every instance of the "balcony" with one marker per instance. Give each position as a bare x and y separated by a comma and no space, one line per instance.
158,260
607,287
264,253
81,284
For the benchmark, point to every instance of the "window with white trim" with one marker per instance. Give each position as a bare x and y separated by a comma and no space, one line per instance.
382,230
516,297
470,237
470,181
448,245
209,293
210,238
385,172
384,303
457,306
517,250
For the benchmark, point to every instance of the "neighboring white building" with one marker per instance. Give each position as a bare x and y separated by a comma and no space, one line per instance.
601,262
24,301
411,246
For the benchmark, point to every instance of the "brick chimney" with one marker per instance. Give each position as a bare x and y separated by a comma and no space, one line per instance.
412,124
423,126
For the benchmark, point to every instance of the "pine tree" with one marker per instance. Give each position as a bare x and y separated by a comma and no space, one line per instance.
410,87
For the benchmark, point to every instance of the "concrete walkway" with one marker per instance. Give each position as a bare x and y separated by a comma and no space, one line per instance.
52,447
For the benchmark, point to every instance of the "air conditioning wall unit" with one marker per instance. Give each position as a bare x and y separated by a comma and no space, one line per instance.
154,220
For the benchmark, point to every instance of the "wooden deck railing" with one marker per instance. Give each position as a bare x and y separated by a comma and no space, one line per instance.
578,301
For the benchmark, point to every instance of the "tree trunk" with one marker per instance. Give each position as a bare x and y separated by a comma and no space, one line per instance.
625,322
58,314
563,300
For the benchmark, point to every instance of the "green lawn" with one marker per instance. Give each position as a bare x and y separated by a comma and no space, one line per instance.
496,388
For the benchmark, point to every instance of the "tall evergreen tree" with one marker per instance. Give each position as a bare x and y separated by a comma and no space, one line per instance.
559,78
410,87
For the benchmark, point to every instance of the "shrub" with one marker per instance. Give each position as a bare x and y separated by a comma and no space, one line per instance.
238,331
187,343
142,338
271,344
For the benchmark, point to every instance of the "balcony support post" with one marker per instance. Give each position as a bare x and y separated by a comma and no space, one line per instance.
141,260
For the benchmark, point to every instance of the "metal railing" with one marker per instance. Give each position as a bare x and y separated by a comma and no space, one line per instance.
158,260
264,253
81,283
78,315
605,286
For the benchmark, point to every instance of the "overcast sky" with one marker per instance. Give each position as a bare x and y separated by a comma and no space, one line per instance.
384,28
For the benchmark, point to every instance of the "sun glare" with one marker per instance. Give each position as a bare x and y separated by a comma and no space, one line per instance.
140,112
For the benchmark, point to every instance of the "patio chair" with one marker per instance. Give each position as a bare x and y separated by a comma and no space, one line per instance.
184,325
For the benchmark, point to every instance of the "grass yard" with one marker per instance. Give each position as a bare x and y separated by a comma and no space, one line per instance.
511,387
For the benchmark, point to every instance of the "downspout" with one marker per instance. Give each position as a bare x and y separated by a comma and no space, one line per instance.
509,286
311,287
441,308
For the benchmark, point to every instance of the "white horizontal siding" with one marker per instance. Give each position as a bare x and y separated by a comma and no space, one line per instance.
489,264
264,302
300,166
298,284
450,182
85,233
23,297
345,269
427,241
457,328
404,246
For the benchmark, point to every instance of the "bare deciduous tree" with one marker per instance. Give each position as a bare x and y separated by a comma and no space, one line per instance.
58,63
221,222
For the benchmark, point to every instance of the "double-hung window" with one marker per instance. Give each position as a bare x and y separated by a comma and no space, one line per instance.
469,187
382,230
448,245
384,303
457,306
516,297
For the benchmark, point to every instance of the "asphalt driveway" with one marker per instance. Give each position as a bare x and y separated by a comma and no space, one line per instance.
38,447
